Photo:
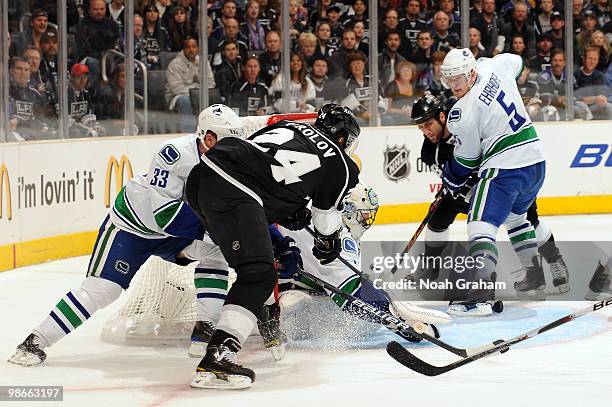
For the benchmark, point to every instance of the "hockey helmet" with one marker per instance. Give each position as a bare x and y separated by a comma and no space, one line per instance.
425,108
333,118
221,120
359,210
458,61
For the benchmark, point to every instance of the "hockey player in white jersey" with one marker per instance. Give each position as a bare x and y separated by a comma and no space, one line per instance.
359,212
492,132
149,217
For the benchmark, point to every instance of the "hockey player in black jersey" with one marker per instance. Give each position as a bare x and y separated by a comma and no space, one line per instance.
242,186
429,115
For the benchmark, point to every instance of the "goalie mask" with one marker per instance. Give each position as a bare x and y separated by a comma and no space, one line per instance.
220,120
359,211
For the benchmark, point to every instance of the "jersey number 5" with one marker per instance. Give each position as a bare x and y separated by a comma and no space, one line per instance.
293,163
516,120
160,178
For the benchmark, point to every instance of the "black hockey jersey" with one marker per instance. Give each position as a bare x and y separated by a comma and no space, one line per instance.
287,165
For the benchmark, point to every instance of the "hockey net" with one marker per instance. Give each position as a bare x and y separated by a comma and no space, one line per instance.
161,302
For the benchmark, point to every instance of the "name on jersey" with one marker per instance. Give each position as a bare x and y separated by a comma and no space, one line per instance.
315,138
490,90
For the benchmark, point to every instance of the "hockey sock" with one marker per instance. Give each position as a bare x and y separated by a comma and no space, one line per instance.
482,245
211,290
549,250
523,240
435,241
76,307
235,321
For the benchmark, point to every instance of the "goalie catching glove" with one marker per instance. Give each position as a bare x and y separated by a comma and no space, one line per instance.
327,248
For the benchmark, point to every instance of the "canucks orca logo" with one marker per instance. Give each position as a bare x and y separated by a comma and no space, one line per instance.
466,53
454,115
217,110
349,245
169,154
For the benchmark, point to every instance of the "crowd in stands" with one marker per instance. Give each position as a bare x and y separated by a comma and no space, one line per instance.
328,61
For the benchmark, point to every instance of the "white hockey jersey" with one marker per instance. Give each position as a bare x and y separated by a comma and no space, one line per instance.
490,125
151,205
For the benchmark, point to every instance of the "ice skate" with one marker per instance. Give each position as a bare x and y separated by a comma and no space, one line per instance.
600,286
202,331
560,275
532,286
219,369
29,352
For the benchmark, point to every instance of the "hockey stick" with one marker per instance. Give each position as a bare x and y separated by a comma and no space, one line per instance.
406,358
384,318
432,209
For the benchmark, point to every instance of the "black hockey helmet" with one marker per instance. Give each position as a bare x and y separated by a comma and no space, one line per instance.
334,119
425,108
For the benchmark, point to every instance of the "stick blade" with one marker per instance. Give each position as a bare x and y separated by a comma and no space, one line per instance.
403,356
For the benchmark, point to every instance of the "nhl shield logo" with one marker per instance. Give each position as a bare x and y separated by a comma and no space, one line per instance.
397,166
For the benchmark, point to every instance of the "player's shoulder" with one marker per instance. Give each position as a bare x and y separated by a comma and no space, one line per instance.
178,150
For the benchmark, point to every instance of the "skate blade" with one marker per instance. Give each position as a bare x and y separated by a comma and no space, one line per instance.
532,295
278,351
25,360
197,349
481,310
209,380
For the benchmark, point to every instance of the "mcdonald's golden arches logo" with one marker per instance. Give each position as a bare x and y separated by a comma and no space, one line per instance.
118,167
5,189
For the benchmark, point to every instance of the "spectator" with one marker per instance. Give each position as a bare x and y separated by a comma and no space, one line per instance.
307,46
599,40
609,76
422,56
252,30
248,95
116,11
543,22
486,23
339,60
432,80
557,32
412,24
32,55
589,24
358,12
389,58
140,44
96,33
301,92
358,90
326,90
213,43
541,61
182,75
296,25
179,28
319,14
162,6
475,46
333,17
519,25
552,83
49,65
267,15
591,86
577,7
270,60
110,102
39,23
475,9
228,10
230,69
518,47
28,109
82,120
602,9
323,33
188,5
400,93
390,24
448,6
358,28
444,40
232,32
156,36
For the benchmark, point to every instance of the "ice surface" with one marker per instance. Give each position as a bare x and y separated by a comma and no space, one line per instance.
569,366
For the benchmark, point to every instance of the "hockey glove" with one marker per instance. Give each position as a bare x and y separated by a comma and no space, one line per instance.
298,220
327,248
454,176
289,258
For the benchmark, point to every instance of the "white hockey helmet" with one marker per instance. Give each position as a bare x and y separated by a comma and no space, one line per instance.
221,120
458,61
360,208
